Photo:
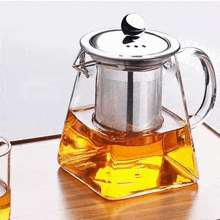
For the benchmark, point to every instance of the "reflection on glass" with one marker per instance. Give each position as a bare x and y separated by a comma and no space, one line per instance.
78,201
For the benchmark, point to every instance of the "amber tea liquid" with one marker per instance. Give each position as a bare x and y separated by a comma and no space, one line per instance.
4,201
118,165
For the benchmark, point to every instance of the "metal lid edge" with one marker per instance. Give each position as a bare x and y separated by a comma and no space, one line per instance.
173,48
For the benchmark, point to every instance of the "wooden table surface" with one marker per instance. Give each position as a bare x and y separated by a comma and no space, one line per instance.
42,190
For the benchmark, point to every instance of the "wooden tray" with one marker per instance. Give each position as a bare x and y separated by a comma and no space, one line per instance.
42,190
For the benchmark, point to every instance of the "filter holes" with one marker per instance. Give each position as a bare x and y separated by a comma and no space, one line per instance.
136,46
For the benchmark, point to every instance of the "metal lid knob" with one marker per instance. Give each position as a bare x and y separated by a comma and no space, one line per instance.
132,46
133,25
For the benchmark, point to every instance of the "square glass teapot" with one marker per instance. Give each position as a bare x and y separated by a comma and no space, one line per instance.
128,131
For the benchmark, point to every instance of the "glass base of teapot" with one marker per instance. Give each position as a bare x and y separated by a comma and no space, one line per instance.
119,165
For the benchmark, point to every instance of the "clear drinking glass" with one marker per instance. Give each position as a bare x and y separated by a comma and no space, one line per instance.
5,192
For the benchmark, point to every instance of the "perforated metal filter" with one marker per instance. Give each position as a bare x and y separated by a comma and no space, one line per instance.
129,78
129,101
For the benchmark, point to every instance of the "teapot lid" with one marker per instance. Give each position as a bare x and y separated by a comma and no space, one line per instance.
132,43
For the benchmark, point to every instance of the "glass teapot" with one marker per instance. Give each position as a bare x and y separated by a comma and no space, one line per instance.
128,131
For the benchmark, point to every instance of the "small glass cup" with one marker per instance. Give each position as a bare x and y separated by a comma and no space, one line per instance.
5,192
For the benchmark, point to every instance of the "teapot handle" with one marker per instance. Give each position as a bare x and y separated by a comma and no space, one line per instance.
210,84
